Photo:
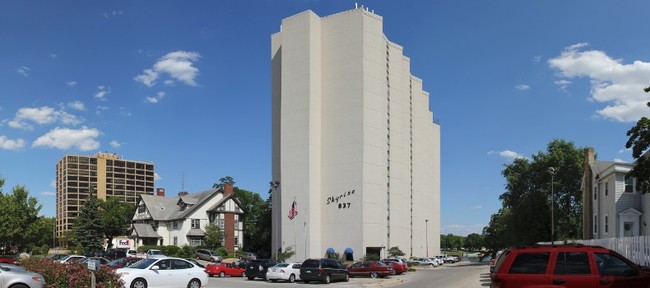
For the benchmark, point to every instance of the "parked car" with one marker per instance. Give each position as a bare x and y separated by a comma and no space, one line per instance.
399,265
207,255
284,271
71,259
566,266
195,262
373,269
163,272
12,266
115,253
57,256
258,267
423,262
122,262
102,260
8,259
324,270
14,277
224,269
155,253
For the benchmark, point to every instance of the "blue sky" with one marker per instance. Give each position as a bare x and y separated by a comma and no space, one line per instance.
186,85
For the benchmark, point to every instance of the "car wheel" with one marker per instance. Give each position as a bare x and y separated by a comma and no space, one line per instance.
222,274
194,283
327,279
19,286
373,275
292,278
139,283
306,281
250,278
274,280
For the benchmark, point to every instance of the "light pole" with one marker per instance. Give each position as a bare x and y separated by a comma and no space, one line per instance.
551,170
426,233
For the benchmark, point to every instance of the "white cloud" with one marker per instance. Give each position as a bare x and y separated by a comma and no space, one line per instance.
71,83
48,193
178,65
618,85
155,99
156,177
23,70
9,144
507,154
113,13
53,55
83,139
77,105
115,144
538,58
619,160
563,84
42,115
102,91
100,109
522,87
476,207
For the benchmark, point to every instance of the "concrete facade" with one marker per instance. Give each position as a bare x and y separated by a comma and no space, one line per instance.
356,152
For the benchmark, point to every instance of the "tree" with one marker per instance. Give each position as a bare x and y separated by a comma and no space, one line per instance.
526,214
473,242
639,141
116,218
213,235
286,254
88,228
395,252
257,223
224,180
19,213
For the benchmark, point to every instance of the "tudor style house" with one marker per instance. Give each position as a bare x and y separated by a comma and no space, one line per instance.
179,221
612,207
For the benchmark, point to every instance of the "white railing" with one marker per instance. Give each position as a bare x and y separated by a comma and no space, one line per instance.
635,248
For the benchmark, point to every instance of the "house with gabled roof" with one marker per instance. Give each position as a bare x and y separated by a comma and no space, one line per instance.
612,207
181,220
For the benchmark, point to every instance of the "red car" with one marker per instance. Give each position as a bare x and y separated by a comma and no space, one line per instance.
373,269
569,266
399,265
8,260
122,262
225,268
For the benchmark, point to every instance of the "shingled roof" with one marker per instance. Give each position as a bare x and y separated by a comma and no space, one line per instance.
167,209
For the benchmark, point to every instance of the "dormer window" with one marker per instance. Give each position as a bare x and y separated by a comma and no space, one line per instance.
183,206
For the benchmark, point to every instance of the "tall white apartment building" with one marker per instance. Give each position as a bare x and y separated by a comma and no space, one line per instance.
356,152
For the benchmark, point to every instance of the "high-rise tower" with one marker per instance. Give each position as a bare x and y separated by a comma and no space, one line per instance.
356,152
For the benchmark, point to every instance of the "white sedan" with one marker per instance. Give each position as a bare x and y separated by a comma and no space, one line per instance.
163,272
284,271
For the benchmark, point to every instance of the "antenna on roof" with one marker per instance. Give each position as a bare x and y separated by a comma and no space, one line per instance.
183,181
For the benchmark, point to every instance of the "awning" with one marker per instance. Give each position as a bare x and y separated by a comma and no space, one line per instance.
348,250
330,250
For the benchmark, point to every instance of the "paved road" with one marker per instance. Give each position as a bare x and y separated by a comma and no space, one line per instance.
459,275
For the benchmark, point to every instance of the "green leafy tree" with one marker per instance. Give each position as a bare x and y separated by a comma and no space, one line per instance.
286,254
19,213
257,222
395,252
526,214
116,218
473,241
88,228
213,235
224,180
41,232
639,141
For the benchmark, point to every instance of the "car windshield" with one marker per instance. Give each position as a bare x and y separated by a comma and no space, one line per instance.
143,264
212,253
379,263
116,262
282,265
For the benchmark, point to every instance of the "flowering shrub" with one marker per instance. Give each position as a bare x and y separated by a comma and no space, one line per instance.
73,275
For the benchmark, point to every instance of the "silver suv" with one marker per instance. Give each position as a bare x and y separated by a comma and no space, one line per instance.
207,255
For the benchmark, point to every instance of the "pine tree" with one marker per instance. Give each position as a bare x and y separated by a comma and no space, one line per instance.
88,227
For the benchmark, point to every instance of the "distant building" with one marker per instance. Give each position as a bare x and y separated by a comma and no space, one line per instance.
356,150
181,220
107,174
612,207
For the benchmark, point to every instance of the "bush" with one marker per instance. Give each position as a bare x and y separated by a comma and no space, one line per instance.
187,252
74,275
222,251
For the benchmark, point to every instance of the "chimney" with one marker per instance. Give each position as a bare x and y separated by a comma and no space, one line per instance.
160,192
227,189
183,193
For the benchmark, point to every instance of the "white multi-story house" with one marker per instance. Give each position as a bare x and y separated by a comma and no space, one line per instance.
179,221
612,207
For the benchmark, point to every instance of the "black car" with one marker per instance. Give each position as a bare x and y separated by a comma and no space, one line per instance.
324,270
258,267
115,253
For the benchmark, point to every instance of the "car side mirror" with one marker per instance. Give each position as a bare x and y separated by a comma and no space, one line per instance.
155,267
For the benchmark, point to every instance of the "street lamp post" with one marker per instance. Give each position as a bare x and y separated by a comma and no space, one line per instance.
426,233
551,170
